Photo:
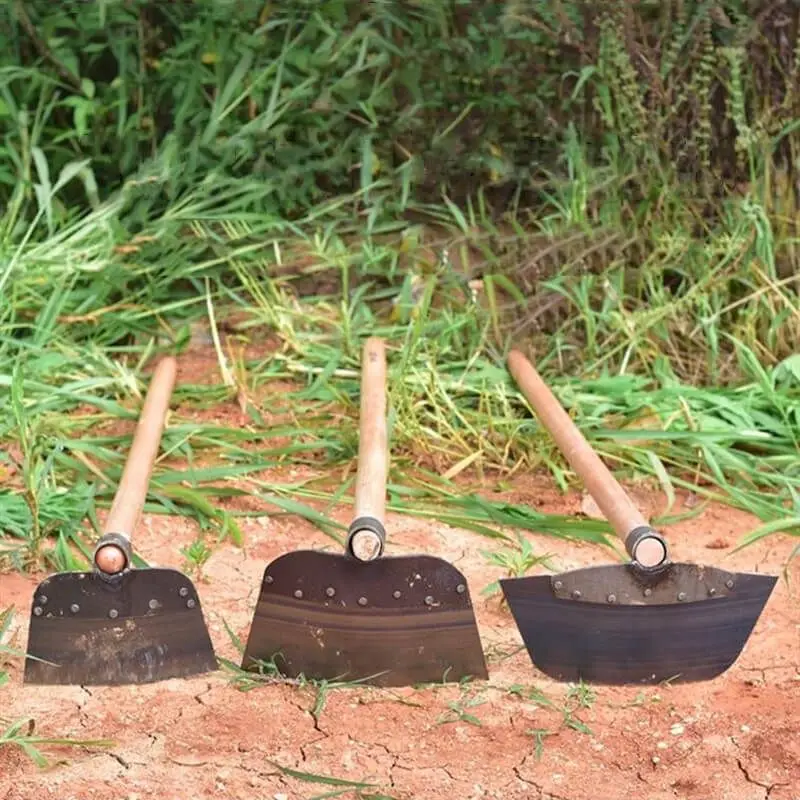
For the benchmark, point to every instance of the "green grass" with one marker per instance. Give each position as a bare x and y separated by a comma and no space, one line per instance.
665,319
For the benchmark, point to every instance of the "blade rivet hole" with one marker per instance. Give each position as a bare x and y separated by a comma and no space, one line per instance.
330,591
428,601
113,613
648,592
681,596
183,591
43,599
461,588
268,579
397,594
362,601
190,603
38,611
153,604
576,594
712,591
558,585
612,598
74,608
729,584
298,593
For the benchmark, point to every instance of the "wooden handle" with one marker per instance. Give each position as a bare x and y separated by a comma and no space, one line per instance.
112,554
367,535
646,546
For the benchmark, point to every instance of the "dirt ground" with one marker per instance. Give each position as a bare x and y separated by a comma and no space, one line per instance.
734,738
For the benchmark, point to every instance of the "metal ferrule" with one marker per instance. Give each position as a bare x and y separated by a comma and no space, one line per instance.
632,542
365,524
117,540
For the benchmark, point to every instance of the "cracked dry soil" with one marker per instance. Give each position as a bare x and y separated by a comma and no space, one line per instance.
734,738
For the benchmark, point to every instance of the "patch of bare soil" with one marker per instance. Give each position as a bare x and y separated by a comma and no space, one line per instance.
733,738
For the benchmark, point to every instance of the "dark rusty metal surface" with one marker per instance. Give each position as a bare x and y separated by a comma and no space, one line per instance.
614,644
624,584
146,626
391,622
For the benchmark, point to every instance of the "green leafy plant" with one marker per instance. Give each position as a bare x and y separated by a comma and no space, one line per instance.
516,562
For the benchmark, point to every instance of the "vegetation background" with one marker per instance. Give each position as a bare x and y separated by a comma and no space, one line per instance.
610,185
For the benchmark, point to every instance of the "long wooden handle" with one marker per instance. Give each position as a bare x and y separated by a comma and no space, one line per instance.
367,535
646,546
112,554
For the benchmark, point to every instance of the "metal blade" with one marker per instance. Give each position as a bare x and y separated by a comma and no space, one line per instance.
620,636
147,626
391,622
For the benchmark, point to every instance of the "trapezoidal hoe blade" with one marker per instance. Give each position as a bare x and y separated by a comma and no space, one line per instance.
690,626
144,627
395,621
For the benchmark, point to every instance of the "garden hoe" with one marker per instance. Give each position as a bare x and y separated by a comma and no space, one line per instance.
643,622
119,625
356,616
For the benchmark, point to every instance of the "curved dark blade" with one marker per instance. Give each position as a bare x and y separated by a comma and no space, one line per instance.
146,627
635,642
391,622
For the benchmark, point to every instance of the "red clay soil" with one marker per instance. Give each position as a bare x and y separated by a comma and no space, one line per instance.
734,738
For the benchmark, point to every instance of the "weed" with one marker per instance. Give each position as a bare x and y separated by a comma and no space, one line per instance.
539,735
516,562
196,555
579,696
460,710
359,790
20,733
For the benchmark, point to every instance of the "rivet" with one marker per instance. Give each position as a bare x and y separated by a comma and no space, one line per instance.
648,592
74,608
681,596
298,593
612,598
397,594
330,591
190,603
712,591
729,584
428,601
113,613
38,611
362,601
183,591
559,584
43,599
268,579
576,594
461,588
153,604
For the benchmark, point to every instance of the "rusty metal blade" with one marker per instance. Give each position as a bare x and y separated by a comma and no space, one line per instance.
645,641
146,626
391,622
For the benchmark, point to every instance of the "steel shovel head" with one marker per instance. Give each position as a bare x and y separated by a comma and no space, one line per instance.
395,621
146,626
606,625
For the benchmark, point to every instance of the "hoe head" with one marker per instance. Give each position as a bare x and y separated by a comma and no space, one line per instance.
142,626
610,625
391,622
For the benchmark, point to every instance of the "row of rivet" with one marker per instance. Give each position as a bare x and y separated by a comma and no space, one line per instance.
612,598
362,601
113,613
